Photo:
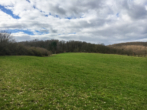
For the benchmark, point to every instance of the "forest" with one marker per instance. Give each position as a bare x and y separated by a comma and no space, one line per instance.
8,46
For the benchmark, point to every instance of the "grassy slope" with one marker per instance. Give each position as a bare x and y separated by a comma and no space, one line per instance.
73,80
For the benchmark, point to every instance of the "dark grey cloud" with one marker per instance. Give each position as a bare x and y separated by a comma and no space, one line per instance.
57,10
135,11
138,12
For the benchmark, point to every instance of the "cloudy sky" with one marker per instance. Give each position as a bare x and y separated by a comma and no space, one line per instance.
95,21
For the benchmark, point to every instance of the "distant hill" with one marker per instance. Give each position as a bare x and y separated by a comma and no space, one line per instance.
130,43
137,48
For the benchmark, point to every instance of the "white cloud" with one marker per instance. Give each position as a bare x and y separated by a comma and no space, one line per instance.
103,21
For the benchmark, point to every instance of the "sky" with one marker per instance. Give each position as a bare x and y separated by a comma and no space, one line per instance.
94,21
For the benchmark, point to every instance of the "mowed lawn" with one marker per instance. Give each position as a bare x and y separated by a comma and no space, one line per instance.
75,81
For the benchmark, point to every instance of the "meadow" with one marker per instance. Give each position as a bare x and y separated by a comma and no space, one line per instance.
77,81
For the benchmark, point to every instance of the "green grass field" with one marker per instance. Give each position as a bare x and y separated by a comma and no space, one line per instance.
75,81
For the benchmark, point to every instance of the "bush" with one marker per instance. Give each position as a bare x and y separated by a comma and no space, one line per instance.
37,51
9,47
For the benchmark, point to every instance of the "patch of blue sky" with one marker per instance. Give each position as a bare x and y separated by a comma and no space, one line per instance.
34,7
18,30
41,32
70,18
117,14
46,15
28,1
73,33
56,16
9,12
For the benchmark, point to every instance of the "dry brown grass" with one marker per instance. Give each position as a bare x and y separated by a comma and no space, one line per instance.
135,49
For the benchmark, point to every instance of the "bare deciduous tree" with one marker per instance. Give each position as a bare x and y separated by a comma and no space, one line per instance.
5,37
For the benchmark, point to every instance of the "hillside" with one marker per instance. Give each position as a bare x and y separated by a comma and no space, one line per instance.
73,81
130,43
137,48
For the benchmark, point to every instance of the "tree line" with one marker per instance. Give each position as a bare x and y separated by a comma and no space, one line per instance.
8,46
56,46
